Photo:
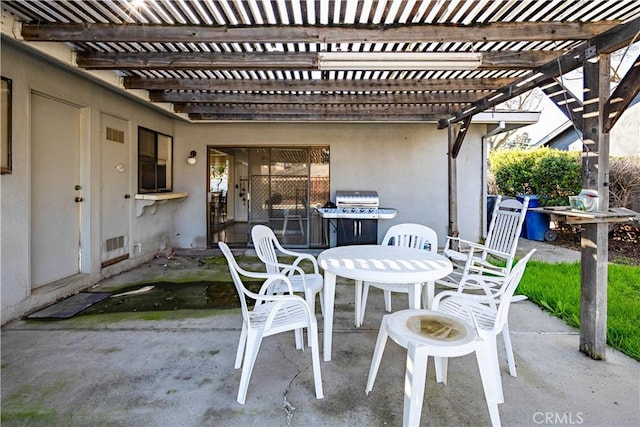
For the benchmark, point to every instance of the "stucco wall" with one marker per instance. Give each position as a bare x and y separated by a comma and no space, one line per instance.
405,163
29,74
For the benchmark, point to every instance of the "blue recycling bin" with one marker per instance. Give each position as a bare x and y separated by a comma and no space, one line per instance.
536,224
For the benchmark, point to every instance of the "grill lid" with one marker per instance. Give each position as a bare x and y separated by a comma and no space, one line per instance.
357,199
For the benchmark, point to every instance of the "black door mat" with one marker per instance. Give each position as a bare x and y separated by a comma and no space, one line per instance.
71,306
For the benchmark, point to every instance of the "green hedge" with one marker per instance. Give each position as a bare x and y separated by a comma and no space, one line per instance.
551,174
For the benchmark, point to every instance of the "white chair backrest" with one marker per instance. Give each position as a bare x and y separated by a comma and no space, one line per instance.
235,271
266,245
512,282
412,236
506,225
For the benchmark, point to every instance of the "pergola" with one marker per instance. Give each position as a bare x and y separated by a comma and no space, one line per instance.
364,60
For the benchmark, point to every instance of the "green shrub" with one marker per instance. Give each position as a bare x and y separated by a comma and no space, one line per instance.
551,174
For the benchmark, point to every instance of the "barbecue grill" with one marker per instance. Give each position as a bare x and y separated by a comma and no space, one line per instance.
357,205
357,214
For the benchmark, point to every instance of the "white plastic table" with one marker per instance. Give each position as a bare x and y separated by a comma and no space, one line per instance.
377,263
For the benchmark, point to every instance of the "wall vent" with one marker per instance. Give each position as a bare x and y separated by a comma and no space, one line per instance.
114,243
115,135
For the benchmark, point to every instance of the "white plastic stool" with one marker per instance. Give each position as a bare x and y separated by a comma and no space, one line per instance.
427,333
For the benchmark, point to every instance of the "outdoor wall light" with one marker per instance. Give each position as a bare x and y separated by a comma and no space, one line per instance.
191,160
328,61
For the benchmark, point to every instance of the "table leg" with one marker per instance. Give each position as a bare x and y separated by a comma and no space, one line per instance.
329,299
430,289
358,297
381,342
414,380
415,291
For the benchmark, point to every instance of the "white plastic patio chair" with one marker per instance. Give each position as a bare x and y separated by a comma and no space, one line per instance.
406,235
267,248
272,314
494,257
488,312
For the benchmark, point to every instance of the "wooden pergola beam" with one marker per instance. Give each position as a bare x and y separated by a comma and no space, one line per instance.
302,109
176,97
267,60
401,33
365,85
274,116
605,43
460,134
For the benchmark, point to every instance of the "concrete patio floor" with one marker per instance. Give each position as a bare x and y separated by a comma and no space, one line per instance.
177,370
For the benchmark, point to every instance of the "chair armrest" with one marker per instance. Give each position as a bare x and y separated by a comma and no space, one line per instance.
300,256
289,270
477,281
483,248
272,279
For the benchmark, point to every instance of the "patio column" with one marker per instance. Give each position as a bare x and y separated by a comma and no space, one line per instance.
453,129
595,236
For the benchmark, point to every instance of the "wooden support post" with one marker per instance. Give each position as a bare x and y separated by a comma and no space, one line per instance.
595,237
453,183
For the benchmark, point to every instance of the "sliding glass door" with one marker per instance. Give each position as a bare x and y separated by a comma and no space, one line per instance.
280,187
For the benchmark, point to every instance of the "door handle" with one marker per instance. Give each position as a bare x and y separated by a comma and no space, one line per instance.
127,196
78,199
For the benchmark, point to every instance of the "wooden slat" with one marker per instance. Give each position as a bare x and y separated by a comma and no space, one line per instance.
314,85
315,98
409,33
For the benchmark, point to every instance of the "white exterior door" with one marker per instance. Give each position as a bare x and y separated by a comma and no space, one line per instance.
115,194
56,191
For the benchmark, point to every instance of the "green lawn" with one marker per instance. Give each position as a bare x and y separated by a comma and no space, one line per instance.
556,287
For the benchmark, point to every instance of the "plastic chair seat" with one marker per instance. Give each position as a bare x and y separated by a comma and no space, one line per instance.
427,333
289,316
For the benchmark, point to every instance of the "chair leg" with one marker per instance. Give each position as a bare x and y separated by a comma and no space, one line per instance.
492,349
377,353
442,366
414,380
299,338
315,358
241,346
509,349
321,293
253,345
488,383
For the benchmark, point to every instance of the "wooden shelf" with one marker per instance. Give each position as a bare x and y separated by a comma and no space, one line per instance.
573,216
